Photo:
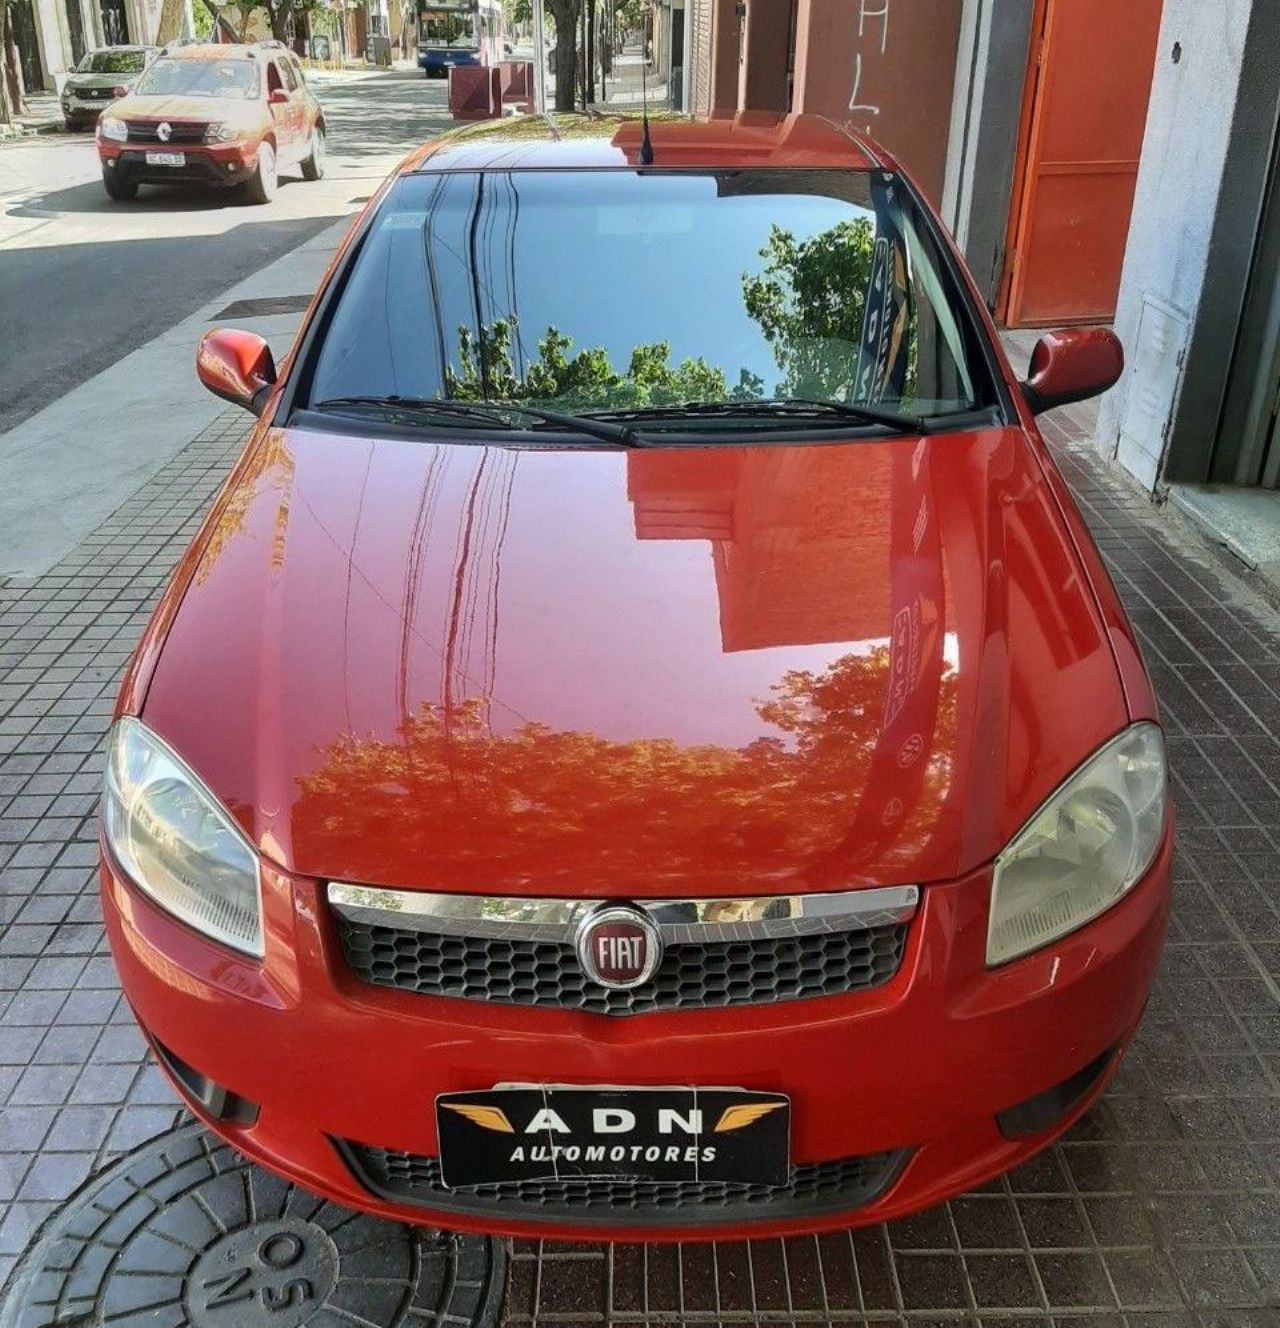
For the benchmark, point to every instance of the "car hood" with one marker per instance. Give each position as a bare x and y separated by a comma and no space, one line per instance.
101,80
598,672
140,107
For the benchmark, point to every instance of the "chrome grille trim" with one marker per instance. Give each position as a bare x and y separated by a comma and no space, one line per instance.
680,921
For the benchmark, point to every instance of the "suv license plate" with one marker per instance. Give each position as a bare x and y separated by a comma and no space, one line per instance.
166,158
661,1134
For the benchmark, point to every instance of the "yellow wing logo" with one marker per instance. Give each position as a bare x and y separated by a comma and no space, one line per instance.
737,1118
488,1118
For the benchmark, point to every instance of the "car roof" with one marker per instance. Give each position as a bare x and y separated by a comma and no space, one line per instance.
227,50
122,46
728,139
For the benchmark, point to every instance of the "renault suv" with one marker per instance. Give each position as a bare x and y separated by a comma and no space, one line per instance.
663,765
230,116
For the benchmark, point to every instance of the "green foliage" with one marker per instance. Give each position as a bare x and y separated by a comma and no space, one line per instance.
585,380
809,301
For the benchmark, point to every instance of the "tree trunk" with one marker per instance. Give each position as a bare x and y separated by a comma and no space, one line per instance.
565,13
591,52
10,88
170,22
280,16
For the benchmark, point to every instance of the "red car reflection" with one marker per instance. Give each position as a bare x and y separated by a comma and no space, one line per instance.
643,744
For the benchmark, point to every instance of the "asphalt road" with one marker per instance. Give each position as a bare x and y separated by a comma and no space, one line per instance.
83,281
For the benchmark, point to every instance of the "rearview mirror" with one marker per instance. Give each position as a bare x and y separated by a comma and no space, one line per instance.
1072,365
236,366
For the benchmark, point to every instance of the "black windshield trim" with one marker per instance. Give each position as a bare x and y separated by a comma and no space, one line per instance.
837,432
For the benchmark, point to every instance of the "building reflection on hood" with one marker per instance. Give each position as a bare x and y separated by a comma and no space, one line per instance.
854,758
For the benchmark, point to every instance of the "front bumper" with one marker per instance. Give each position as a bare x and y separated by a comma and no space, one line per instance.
221,165
918,1068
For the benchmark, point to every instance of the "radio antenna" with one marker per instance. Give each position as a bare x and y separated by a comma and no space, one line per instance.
646,143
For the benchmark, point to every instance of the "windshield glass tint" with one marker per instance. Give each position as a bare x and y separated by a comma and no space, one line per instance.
443,29
201,78
608,290
111,62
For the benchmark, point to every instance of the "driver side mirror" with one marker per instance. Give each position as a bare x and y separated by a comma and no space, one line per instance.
277,97
1072,365
236,366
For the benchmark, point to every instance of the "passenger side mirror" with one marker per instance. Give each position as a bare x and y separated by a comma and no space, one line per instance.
236,366
1072,365
277,97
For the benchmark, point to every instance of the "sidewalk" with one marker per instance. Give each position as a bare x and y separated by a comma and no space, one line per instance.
41,114
1160,1210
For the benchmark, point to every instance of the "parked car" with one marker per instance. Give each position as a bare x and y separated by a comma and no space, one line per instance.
643,744
230,116
101,77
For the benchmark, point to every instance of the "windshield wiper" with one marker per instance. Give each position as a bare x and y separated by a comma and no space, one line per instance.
776,408
486,413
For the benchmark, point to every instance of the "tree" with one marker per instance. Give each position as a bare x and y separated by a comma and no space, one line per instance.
582,381
708,813
564,14
809,303
10,87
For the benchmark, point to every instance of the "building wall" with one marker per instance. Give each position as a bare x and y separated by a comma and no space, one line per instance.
1184,155
54,32
700,18
887,67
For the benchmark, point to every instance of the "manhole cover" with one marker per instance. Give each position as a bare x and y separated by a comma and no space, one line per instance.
184,1233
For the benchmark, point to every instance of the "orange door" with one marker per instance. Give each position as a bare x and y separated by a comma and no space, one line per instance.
1086,109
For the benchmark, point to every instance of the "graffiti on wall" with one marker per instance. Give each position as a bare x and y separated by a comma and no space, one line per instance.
873,43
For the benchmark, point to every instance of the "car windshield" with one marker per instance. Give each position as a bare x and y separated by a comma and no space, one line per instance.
201,78
615,291
111,62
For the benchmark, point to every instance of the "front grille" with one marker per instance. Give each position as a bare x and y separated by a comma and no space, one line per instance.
95,94
838,1186
144,131
691,976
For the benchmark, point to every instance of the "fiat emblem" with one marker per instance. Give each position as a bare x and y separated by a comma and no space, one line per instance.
619,947
163,131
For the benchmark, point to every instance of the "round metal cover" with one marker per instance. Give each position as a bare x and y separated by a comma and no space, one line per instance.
184,1231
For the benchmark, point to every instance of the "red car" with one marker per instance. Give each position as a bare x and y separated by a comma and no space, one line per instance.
230,116
643,745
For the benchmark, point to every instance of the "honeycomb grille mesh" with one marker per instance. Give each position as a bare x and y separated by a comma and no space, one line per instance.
690,976
836,1186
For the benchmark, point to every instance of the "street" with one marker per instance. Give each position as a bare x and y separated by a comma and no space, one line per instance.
83,280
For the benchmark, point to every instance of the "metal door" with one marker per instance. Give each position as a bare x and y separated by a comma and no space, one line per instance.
1247,447
115,23
1088,84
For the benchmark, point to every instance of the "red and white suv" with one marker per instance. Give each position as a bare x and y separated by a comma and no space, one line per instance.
220,115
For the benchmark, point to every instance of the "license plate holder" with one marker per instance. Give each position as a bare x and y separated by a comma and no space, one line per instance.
166,158
658,1134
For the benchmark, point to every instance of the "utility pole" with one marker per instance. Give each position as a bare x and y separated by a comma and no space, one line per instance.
539,59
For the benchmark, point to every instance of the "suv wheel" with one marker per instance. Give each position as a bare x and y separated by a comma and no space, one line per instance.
119,189
261,186
313,162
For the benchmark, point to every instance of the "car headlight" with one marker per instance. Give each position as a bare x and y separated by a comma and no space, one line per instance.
176,843
1085,848
223,132
113,128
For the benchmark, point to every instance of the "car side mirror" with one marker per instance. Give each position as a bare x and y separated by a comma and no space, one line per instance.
236,366
1072,365
277,97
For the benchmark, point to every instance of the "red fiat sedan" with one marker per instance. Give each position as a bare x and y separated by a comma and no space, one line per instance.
643,745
